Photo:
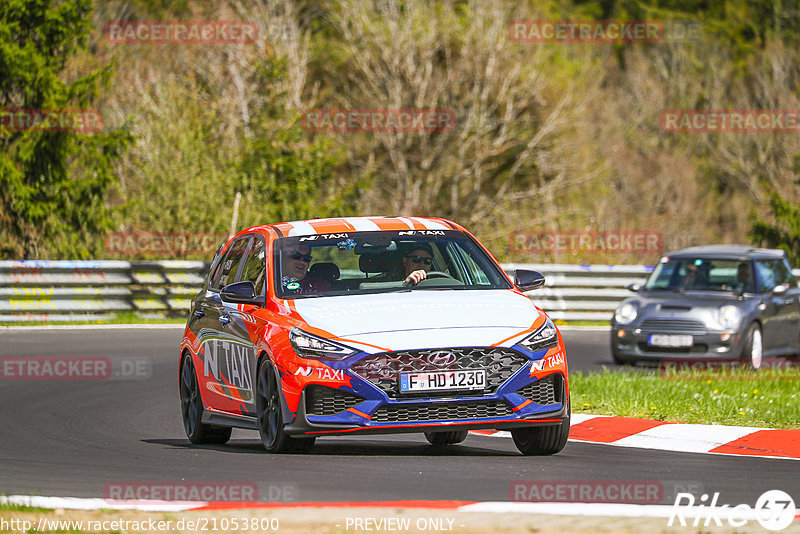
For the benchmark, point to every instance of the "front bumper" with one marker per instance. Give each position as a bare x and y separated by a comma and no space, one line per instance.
631,343
351,422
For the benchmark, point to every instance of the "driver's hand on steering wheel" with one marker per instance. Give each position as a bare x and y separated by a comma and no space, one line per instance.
415,277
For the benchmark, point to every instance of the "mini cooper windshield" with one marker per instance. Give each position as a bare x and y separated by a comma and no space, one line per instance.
702,274
375,262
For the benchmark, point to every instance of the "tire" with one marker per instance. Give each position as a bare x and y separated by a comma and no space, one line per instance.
198,432
452,437
542,440
269,414
618,360
753,350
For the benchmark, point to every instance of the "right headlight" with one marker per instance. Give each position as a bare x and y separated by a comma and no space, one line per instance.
729,317
625,314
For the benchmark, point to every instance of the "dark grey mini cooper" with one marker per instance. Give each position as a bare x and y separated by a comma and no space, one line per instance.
717,301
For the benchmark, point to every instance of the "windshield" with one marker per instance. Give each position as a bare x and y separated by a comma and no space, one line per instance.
376,262
702,274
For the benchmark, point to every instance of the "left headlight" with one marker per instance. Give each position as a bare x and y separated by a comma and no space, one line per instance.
626,313
310,346
544,337
729,317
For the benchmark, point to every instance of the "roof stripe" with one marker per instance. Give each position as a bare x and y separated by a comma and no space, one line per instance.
301,228
362,225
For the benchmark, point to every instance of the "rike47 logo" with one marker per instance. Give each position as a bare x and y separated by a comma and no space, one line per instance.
547,362
322,373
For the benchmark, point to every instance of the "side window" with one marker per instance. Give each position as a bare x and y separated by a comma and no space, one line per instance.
229,265
783,272
255,267
767,276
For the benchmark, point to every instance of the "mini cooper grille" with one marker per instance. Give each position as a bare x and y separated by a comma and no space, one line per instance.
440,411
683,326
546,391
321,400
384,369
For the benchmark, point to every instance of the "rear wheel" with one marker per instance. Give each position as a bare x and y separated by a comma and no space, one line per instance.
446,438
752,353
192,410
542,440
270,415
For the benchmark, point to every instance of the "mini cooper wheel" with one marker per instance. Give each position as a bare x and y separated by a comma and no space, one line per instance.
270,416
446,438
198,432
542,440
752,353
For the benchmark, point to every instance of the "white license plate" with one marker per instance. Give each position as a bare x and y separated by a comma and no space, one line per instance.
664,340
443,380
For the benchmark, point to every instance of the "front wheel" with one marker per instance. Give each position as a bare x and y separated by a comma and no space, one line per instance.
270,416
446,438
542,440
198,432
752,353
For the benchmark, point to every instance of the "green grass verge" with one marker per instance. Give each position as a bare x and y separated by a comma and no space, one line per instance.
768,398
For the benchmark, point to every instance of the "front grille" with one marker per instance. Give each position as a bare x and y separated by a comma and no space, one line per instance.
322,400
696,348
383,369
441,411
682,326
545,391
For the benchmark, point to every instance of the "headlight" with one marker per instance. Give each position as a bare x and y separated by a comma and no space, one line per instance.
543,338
729,317
310,346
625,313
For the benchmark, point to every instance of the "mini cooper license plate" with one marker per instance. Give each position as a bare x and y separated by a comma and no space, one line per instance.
664,340
443,380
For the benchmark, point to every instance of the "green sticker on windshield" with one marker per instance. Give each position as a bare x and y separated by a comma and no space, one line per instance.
292,286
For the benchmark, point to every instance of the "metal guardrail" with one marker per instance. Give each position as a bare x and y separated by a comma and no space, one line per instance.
44,291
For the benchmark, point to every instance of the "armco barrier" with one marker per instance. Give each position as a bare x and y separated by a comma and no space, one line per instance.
45,291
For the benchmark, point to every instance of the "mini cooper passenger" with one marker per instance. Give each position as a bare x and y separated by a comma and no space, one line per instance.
715,302
369,325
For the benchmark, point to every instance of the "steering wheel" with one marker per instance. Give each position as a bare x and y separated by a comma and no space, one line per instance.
436,274
428,276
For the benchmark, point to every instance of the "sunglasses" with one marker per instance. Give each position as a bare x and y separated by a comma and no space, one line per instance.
427,260
297,256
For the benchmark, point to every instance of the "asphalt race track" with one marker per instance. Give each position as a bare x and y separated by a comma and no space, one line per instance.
72,438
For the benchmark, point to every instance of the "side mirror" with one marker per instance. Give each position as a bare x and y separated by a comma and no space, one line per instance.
781,289
633,287
527,280
241,293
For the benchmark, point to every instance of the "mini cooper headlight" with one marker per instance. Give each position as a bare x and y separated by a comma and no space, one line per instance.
544,337
729,317
310,346
625,314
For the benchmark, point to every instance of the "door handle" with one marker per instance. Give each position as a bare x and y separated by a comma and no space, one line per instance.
224,319
199,313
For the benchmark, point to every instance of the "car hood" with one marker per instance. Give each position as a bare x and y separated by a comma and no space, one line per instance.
423,318
689,299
